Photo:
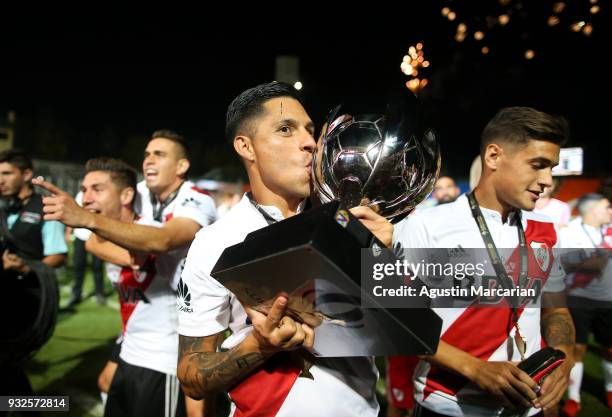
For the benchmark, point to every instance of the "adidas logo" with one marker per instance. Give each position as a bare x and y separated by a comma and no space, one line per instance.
458,252
183,299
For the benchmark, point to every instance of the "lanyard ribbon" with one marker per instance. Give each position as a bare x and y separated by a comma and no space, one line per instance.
158,209
498,266
269,219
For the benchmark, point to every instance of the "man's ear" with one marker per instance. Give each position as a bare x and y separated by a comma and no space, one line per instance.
243,145
27,175
127,196
183,167
492,156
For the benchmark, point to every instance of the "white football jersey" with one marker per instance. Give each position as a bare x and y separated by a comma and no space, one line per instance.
148,296
593,286
486,333
342,387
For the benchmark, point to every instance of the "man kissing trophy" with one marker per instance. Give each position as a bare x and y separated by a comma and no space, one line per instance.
387,162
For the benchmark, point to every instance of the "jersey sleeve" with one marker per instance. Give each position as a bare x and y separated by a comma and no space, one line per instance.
204,304
556,276
53,238
197,206
412,233
82,234
566,214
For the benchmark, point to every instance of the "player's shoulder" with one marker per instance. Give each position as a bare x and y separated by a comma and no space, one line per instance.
210,241
424,227
536,217
559,203
190,190
226,229
541,228
574,228
191,197
440,214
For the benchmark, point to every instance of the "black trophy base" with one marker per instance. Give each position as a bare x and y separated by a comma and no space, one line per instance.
314,258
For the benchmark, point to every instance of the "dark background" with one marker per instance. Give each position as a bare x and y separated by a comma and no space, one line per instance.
101,87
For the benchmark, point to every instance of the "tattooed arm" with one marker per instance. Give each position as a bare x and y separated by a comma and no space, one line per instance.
556,322
203,371
558,328
558,332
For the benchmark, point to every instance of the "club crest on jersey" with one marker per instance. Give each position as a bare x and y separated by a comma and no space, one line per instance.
541,255
183,298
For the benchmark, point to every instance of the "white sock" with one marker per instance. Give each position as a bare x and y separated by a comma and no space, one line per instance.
575,382
104,396
607,369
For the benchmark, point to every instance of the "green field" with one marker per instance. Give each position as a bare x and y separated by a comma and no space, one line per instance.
70,362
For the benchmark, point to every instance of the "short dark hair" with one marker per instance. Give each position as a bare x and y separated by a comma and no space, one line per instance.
586,200
519,125
122,175
175,137
16,157
249,104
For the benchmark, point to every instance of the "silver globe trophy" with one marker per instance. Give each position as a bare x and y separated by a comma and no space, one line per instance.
387,162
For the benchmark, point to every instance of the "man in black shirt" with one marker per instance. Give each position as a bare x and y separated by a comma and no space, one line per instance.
30,248
21,209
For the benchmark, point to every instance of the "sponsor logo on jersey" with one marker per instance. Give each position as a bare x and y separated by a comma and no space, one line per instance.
184,298
191,202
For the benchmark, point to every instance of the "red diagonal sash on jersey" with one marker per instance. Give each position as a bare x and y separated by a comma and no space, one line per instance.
480,331
263,393
132,286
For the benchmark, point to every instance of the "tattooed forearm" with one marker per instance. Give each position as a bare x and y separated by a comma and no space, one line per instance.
189,345
558,328
202,371
217,371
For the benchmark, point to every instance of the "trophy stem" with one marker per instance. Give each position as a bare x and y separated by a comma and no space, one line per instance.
350,192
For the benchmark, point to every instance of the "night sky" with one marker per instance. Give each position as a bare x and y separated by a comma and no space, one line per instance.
93,90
